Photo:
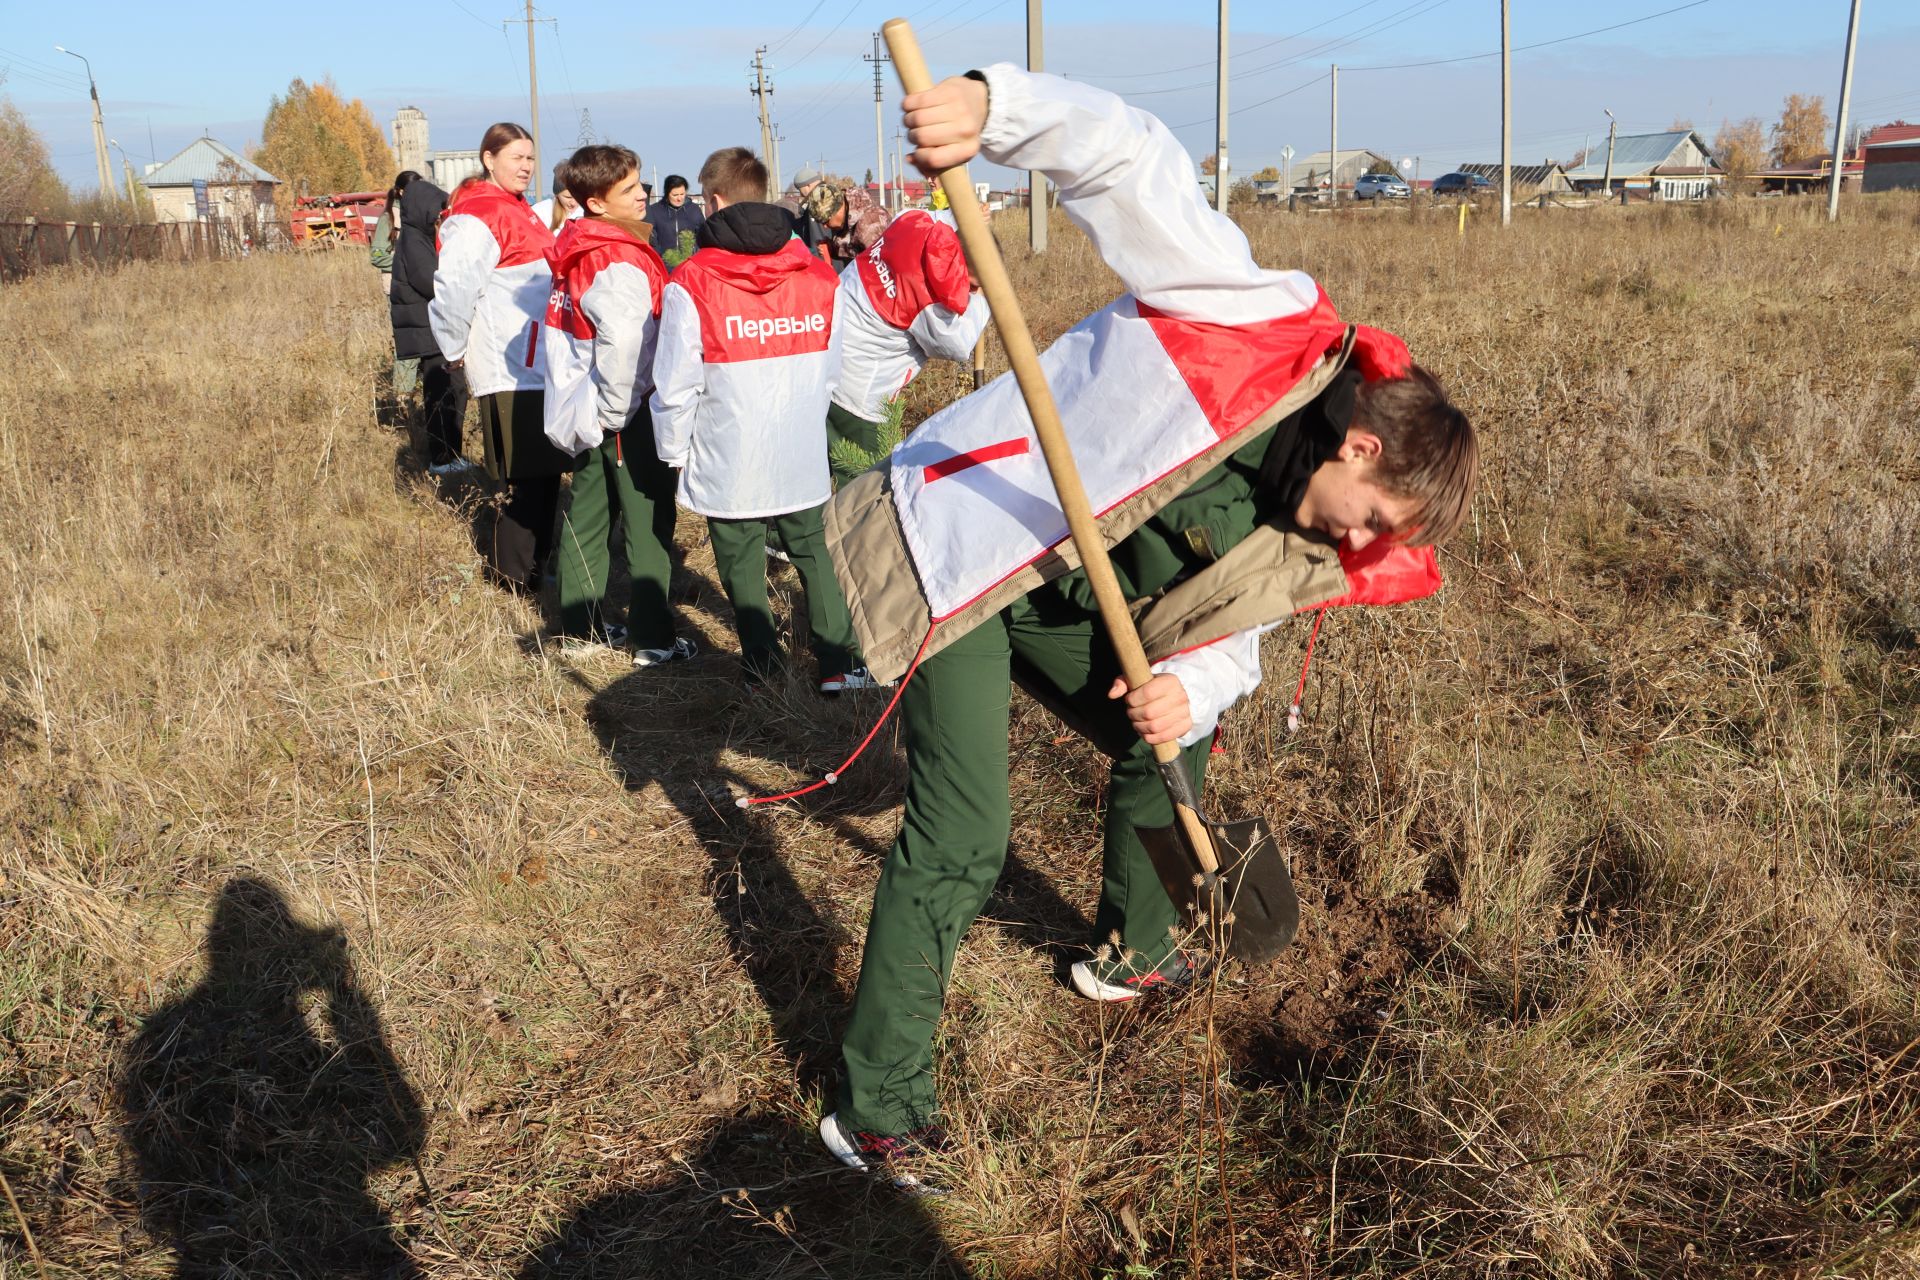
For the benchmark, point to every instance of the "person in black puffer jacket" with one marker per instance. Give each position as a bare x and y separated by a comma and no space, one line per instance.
415,257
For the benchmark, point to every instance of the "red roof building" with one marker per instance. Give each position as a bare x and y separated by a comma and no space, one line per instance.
1892,157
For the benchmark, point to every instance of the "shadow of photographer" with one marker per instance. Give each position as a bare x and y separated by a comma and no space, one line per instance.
254,1123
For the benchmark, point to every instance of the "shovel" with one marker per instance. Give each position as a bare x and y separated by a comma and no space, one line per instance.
980,363
1227,878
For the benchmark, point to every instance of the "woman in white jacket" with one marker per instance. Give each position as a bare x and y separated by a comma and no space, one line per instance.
489,301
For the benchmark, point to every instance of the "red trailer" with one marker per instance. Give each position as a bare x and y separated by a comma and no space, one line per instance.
341,218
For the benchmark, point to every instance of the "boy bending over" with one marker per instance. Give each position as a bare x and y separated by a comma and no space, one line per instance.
1251,456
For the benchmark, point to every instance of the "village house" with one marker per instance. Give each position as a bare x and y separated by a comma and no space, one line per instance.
1675,165
1892,157
236,189
1310,174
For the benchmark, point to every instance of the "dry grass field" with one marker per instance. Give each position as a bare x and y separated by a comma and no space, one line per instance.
346,928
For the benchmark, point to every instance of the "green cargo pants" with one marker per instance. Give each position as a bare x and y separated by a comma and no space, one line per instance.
623,473
740,555
854,444
954,831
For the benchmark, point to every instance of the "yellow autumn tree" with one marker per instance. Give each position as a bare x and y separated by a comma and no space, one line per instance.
1802,131
316,142
1741,147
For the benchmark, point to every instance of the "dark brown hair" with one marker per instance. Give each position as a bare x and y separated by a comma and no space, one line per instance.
496,138
591,172
735,174
1427,450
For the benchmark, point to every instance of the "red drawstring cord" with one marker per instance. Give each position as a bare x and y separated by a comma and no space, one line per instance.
747,802
1293,712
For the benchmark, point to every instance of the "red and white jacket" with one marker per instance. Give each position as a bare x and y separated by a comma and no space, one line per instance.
1204,340
905,301
749,350
603,321
490,289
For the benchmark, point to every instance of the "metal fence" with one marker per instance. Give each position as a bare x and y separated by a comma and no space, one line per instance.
30,246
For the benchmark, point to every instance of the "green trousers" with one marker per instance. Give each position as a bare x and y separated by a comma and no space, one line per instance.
623,474
740,554
954,831
853,443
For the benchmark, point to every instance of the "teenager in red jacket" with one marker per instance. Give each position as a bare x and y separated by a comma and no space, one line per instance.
602,326
749,350
489,303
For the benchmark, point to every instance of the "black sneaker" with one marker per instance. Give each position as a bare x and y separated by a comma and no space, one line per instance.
887,1155
1112,982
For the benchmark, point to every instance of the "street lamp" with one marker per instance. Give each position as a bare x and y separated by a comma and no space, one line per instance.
1607,182
126,166
99,129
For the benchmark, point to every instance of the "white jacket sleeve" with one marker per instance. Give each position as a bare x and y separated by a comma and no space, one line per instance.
949,336
679,376
468,255
1215,677
1129,185
836,347
620,305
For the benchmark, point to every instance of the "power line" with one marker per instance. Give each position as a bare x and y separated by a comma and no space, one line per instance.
797,28
1244,53
1539,44
470,13
967,22
823,39
1263,102
1398,17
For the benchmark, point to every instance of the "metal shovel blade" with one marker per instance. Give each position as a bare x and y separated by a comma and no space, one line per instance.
1249,904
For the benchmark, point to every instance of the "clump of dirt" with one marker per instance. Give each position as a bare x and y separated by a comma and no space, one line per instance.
1323,999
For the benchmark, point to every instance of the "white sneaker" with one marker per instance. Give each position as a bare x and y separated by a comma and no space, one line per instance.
891,1157
681,650
858,678
458,467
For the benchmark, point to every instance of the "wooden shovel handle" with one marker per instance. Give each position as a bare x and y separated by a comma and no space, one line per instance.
983,254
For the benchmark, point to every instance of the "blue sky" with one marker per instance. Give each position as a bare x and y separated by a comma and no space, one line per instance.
666,79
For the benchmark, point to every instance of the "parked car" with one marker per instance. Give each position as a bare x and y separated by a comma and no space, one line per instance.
1374,186
1461,184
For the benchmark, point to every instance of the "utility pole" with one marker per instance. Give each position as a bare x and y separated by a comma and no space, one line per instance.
1506,113
1036,180
1220,124
100,128
1839,125
1333,155
879,61
900,170
1606,183
533,94
760,92
773,179
533,102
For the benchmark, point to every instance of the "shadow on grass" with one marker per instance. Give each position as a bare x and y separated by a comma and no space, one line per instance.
255,1124
757,1200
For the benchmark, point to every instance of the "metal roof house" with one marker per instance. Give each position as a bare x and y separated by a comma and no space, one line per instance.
235,186
1310,174
1675,165
1550,177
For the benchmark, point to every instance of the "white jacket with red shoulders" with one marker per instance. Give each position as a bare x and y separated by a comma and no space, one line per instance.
1203,342
905,301
749,350
601,329
490,289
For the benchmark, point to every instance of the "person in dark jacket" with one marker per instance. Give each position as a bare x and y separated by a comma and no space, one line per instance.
670,216
443,390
